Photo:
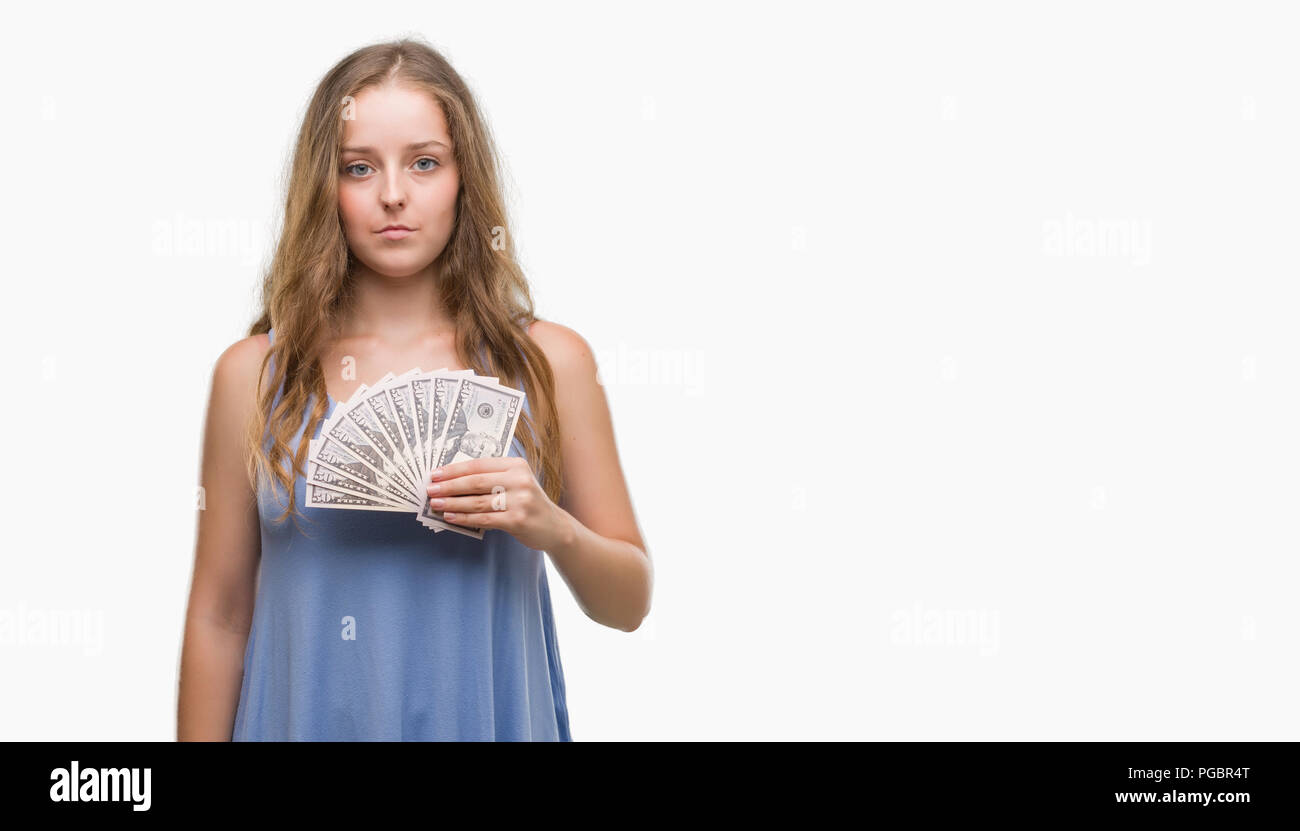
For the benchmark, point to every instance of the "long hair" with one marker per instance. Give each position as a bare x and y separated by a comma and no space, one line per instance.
308,289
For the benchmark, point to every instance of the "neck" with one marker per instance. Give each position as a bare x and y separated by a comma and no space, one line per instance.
396,308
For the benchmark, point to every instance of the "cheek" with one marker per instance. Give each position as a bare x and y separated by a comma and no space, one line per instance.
350,210
443,198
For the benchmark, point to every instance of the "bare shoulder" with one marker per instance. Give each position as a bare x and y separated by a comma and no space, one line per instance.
240,362
235,374
569,353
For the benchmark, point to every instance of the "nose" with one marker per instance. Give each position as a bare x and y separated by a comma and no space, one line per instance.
392,194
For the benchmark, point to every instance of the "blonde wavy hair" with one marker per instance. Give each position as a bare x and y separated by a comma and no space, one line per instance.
308,290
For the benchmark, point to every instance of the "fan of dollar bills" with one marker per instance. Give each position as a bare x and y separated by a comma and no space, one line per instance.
376,450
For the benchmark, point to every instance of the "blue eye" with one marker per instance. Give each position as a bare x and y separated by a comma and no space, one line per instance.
436,164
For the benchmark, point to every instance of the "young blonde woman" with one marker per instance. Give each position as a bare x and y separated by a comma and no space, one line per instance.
366,625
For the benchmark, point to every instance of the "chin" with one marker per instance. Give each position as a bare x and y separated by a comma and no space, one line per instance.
397,268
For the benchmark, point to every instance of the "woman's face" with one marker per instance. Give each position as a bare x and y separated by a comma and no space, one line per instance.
385,180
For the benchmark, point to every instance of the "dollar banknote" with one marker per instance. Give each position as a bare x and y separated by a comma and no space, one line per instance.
481,423
374,451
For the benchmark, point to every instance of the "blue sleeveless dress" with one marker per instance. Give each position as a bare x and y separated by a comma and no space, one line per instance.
369,626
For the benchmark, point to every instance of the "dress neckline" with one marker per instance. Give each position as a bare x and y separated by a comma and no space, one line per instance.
330,400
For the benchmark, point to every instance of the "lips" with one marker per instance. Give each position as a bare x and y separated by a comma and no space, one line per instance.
395,232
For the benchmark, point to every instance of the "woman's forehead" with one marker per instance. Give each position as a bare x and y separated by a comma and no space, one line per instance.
394,118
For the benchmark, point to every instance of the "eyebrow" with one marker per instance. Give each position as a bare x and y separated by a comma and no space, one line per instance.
415,145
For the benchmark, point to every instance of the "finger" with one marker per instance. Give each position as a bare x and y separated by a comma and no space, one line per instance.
475,520
461,504
455,469
470,483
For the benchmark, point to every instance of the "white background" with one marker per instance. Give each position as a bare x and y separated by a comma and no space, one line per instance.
968,333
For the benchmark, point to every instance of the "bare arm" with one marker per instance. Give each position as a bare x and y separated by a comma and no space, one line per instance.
603,559
227,553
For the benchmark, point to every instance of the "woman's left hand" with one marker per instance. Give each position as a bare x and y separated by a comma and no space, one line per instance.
501,493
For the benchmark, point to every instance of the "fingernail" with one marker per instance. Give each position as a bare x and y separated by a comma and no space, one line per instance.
437,503
434,488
